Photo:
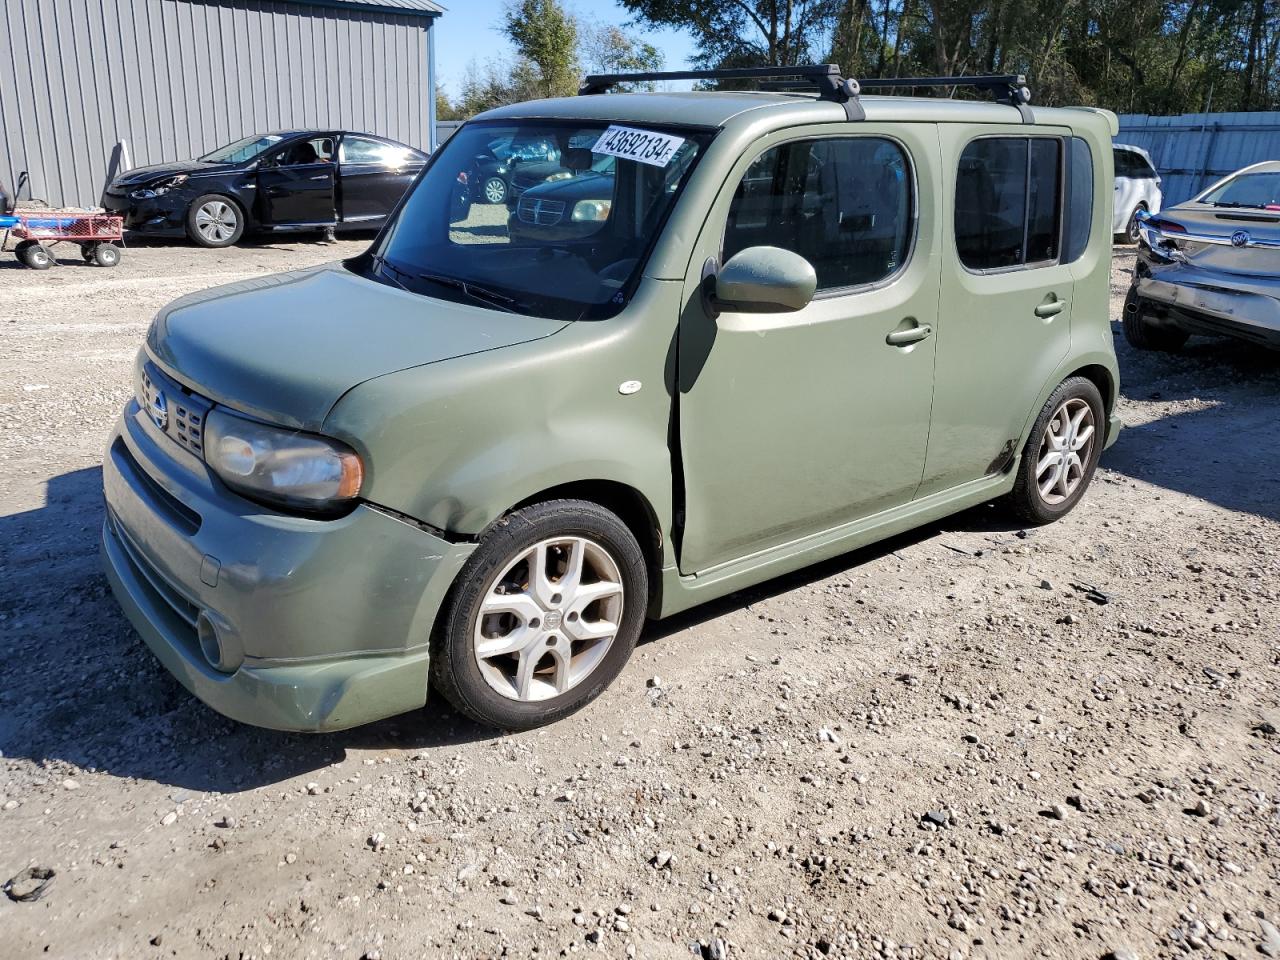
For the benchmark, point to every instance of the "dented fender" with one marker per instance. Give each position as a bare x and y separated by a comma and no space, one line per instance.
457,444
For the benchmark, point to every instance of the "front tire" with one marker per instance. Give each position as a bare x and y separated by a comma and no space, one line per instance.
1061,453
543,617
1142,334
495,190
106,254
214,221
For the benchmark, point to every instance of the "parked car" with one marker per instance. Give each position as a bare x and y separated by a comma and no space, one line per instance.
498,159
1211,265
1137,190
474,465
283,181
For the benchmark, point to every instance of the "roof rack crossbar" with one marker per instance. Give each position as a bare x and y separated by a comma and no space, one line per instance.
1010,88
825,76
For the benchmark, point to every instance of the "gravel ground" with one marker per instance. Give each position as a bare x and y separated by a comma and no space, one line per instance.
944,746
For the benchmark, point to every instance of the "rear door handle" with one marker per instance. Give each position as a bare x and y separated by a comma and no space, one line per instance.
1050,308
903,338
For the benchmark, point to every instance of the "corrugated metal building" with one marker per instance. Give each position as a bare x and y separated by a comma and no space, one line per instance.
1193,150
174,79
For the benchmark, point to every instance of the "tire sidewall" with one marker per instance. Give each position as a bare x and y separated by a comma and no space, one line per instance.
106,255
194,235
454,652
1026,491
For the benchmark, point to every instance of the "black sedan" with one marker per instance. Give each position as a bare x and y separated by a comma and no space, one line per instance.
289,180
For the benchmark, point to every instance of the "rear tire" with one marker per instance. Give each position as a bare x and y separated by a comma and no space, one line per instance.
106,254
574,646
495,190
1131,233
214,220
1142,334
1059,459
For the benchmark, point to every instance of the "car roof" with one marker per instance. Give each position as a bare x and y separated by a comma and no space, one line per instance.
722,108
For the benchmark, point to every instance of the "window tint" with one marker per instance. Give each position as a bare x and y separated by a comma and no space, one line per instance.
845,205
1009,202
1079,201
319,150
366,150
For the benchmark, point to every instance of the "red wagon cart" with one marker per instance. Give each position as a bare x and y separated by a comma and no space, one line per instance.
98,235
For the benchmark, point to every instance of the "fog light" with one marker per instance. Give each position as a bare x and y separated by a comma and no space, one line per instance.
212,646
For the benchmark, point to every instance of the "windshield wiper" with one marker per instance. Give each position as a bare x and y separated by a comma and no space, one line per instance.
1236,203
478,293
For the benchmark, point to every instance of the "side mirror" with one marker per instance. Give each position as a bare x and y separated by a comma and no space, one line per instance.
762,280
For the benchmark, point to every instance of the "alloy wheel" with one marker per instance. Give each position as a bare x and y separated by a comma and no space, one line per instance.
1065,450
548,619
216,221
495,190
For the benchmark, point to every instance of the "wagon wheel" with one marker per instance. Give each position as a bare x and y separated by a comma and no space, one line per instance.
37,257
87,251
21,249
106,254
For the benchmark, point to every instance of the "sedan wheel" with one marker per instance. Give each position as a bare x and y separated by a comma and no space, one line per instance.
495,190
214,221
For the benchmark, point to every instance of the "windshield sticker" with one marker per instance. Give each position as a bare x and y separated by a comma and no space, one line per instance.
642,146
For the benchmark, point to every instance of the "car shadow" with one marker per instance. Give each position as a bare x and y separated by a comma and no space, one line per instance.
80,686
1224,447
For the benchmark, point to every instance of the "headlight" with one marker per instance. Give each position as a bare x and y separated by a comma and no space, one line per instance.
284,467
592,210
160,187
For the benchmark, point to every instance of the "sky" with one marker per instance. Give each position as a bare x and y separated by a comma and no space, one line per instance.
468,31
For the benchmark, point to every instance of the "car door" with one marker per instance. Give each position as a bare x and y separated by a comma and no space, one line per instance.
793,423
372,177
1005,321
296,184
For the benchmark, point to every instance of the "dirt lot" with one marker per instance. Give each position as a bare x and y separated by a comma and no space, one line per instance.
941,747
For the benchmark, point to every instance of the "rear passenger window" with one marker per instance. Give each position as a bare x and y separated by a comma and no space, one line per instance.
845,205
1009,202
1079,200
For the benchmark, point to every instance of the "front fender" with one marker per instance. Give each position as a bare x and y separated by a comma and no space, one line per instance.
456,444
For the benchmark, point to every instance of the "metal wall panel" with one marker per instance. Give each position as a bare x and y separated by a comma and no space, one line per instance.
1193,150
177,78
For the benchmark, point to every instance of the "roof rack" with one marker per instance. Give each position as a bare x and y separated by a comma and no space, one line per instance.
831,85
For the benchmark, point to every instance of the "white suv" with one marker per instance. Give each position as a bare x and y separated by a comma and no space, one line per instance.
1137,188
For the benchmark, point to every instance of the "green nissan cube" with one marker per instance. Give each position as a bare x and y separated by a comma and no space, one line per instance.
725,335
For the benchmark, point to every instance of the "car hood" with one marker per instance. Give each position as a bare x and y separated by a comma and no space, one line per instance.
286,348
140,175
1206,220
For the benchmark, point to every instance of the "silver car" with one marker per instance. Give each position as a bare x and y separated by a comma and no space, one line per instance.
1210,265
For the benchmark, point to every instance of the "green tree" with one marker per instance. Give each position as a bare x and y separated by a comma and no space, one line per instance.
546,36
741,33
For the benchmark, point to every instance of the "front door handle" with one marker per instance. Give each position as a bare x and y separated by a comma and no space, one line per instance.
903,338
1050,308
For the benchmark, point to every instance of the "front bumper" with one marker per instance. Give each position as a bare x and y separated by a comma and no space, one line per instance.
319,624
159,216
1211,302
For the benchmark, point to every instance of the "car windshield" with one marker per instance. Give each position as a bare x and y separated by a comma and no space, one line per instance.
242,150
1247,190
566,238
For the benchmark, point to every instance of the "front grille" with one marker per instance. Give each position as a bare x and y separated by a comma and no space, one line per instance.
173,408
542,213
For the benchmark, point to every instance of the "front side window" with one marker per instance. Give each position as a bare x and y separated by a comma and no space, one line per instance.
585,202
1009,202
844,204
368,150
